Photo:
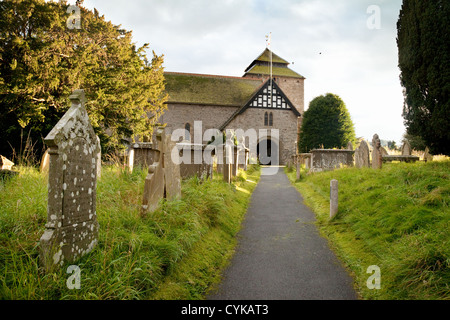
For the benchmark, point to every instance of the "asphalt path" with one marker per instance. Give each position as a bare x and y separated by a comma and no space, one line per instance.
280,254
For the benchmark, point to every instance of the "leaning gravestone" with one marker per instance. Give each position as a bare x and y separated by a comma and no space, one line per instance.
362,155
164,178
72,227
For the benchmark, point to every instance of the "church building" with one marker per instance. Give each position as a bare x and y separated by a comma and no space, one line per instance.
254,101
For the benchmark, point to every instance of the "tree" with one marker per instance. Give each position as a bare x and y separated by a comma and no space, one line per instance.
392,145
423,44
327,122
43,62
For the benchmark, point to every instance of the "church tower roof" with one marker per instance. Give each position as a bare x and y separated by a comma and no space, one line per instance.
261,66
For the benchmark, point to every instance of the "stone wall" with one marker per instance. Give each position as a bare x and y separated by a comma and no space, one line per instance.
329,159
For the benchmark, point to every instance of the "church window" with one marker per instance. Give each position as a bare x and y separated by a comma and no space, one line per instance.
187,132
270,119
266,119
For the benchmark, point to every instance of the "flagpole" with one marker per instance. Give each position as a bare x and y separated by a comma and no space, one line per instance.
270,79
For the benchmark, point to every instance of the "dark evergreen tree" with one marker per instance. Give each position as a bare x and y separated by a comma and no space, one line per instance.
327,122
423,42
43,61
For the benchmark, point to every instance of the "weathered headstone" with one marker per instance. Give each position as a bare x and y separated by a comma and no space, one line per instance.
362,155
376,152
297,164
227,163
163,179
349,145
172,175
383,151
72,227
154,182
406,148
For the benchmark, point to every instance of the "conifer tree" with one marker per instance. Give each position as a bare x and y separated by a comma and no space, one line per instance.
327,122
43,61
423,44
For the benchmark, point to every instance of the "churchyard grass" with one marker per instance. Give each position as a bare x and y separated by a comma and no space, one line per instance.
176,252
396,218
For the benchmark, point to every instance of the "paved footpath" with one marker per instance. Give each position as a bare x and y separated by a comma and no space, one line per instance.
280,254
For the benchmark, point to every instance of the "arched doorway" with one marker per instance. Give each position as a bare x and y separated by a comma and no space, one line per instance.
267,151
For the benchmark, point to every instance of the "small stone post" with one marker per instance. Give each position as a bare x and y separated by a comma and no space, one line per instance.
297,162
333,198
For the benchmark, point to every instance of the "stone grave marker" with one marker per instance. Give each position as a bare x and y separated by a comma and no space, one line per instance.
406,148
72,227
362,155
163,179
376,152
349,145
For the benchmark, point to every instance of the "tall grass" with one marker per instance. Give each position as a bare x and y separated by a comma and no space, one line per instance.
135,255
397,218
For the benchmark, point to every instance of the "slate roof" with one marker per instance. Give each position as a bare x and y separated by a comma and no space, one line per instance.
202,89
261,66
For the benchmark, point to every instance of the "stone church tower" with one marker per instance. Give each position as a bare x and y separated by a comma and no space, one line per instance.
254,101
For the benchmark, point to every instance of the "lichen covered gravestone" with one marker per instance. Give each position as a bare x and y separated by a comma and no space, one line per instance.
362,158
376,152
72,227
163,179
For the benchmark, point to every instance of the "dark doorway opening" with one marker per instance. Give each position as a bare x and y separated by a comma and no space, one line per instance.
266,150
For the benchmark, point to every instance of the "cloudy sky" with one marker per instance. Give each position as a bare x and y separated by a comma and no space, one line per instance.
343,47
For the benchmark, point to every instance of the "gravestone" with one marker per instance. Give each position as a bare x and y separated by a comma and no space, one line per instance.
383,151
362,155
376,152
172,175
72,227
163,179
406,148
349,145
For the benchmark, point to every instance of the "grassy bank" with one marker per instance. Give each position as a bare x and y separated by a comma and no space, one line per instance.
396,218
176,252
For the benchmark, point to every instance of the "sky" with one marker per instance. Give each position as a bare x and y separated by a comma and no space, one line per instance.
343,47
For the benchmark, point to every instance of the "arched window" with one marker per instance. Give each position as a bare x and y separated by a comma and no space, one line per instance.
270,119
187,132
266,119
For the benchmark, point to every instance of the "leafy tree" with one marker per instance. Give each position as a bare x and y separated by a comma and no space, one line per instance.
392,145
327,122
43,61
424,59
